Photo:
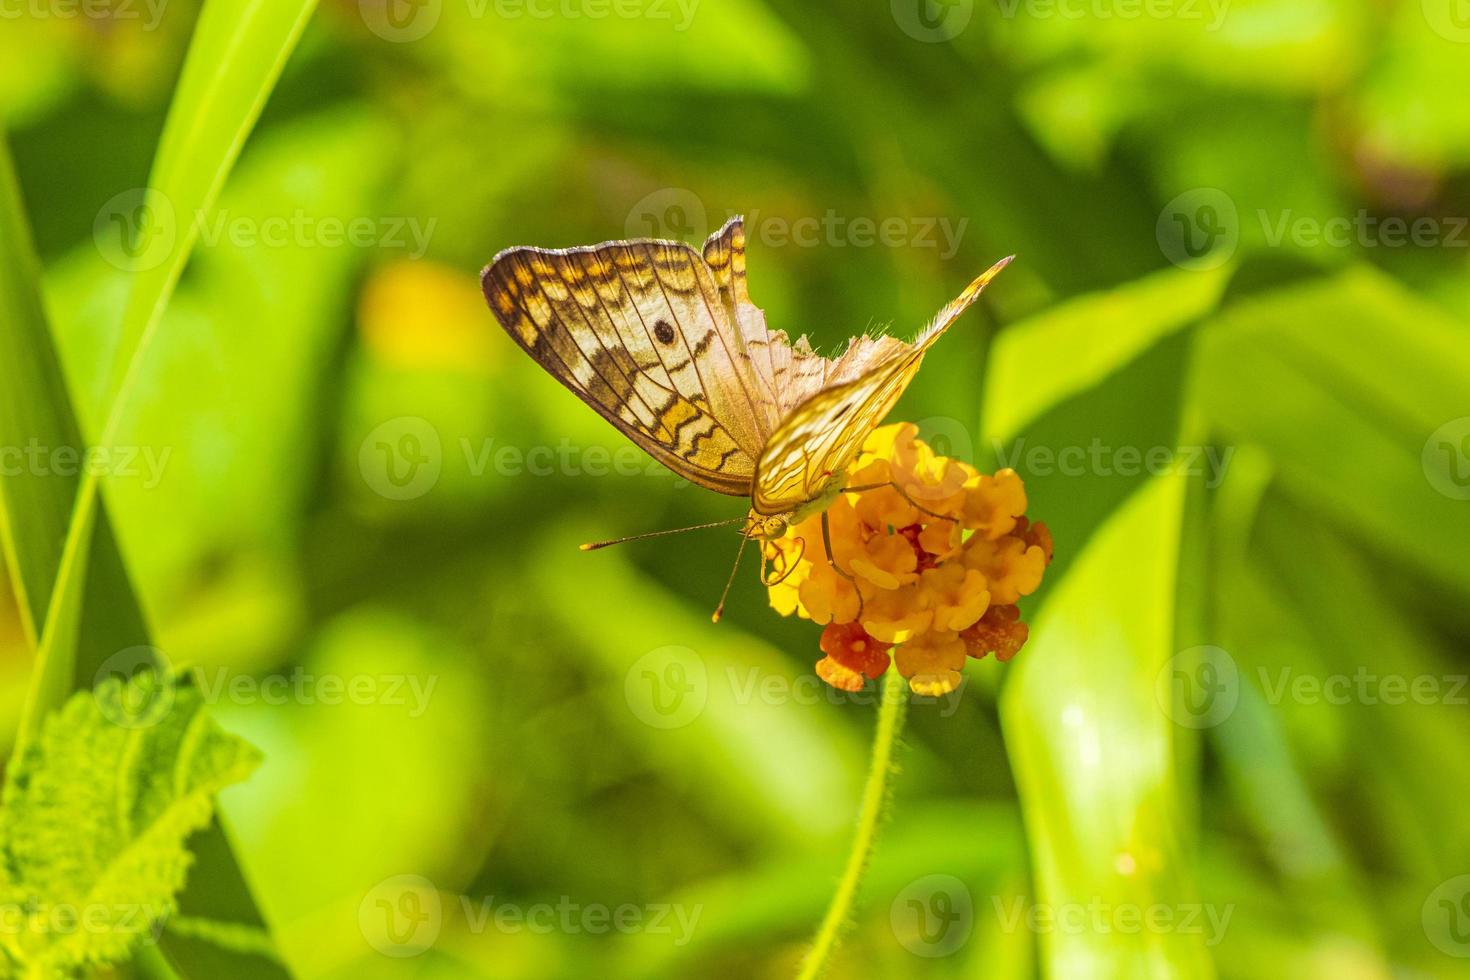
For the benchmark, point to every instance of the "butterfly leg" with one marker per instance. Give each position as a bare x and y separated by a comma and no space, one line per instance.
902,493
832,560
782,576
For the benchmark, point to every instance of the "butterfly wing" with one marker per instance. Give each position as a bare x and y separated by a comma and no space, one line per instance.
639,331
825,433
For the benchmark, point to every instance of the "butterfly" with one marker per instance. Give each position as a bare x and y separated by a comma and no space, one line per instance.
663,341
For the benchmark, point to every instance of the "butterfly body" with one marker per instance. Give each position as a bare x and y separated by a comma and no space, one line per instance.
663,341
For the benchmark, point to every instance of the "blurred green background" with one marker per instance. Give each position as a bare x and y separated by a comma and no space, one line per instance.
1232,362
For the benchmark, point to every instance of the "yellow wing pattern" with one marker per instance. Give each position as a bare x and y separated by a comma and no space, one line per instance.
664,342
640,332
824,433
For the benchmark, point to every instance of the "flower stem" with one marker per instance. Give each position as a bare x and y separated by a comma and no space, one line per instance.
875,793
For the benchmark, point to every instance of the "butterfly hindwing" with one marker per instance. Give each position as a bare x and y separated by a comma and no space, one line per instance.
664,342
639,331
825,433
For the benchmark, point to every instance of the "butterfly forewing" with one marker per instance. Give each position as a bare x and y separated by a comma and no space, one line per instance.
825,433
640,332
664,342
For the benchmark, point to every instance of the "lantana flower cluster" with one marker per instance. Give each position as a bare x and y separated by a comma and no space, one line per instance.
927,576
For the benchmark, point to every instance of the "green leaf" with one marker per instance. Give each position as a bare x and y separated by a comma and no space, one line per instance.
97,811
236,55
238,51
1326,374
1097,760
33,511
1094,752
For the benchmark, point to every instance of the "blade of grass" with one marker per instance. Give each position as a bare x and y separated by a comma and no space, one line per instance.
1097,761
36,501
34,505
237,53
102,608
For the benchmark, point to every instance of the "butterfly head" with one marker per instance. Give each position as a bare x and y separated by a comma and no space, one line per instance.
766,527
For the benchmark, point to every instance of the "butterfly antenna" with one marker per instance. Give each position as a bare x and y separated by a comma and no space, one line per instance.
720,609
594,545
